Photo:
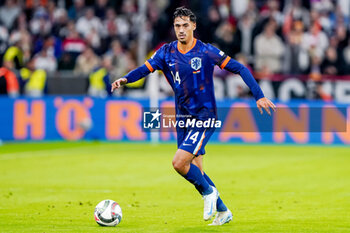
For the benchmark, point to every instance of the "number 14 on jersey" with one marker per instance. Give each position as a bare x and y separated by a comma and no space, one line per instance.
176,77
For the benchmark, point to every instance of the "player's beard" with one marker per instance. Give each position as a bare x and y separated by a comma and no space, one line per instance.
183,40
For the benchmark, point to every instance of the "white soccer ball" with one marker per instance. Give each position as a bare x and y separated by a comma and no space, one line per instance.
108,213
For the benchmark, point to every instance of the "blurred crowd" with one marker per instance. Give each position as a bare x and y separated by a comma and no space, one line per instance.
98,39
283,37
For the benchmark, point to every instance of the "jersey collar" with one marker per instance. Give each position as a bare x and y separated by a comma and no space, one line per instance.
184,52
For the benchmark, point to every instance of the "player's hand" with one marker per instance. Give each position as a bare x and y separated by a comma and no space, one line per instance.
118,83
266,104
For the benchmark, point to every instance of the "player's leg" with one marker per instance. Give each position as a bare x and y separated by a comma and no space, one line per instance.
182,164
223,215
220,204
193,142
198,161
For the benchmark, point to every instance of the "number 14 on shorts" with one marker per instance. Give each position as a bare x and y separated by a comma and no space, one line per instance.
192,137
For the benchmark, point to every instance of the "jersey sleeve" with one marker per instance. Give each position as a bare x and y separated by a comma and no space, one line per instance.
152,64
217,56
137,74
156,62
226,62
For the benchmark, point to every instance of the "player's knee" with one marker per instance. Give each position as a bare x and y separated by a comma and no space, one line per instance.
178,165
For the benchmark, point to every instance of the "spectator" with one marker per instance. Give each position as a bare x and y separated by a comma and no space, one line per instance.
40,24
68,29
315,67
99,79
252,10
86,62
4,37
100,8
73,44
346,54
322,5
341,35
77,10
332,64
129,14
344,8
110,24
89,22
44,61
268,49
212,22
239,7
66,62
225,38
327,21
60,21
223,8
296,59
51,43
245,33
14,56
9,12
297,12
93,39
114,26
8,82
21,23
118,59
272,11
33,81
131,62
315,40
21,35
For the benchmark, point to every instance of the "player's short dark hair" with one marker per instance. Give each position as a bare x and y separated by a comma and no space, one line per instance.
184,12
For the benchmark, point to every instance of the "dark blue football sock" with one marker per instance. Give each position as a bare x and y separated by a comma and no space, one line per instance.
195,176
219,203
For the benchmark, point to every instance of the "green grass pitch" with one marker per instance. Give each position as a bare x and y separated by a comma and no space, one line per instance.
54,187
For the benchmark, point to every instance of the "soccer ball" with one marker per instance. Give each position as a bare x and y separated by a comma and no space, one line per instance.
108,213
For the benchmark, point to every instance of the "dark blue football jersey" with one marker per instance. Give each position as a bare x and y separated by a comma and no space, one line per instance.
190,74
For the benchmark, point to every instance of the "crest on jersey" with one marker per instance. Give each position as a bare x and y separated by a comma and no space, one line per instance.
196,63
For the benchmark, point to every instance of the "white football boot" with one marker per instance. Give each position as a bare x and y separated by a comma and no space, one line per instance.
210,204
221,218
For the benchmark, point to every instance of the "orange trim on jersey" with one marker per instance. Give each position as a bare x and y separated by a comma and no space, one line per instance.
201,143
149,66
184,52
227,59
